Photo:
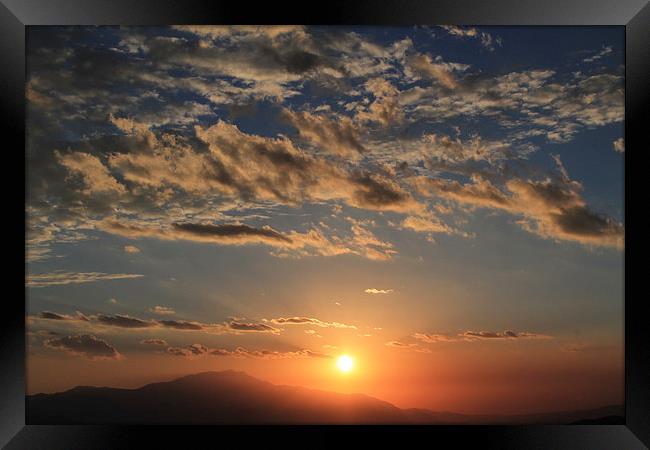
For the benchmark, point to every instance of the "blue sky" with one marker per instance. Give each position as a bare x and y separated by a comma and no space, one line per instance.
236,177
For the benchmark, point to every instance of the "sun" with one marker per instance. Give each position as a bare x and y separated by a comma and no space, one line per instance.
345,363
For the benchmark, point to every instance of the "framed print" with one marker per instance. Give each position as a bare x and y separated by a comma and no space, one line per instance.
377,220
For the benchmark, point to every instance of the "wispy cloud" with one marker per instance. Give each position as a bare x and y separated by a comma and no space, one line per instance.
309,321
606,50
64,278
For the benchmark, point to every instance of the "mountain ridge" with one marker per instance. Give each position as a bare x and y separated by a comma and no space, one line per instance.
234,397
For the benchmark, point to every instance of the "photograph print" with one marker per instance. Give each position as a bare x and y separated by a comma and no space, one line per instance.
325,225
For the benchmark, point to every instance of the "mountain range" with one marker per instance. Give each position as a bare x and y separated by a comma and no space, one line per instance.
232,397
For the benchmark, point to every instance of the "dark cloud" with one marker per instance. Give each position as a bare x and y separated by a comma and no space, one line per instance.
507,334
86,346
123,321
232,326
54,316
181,325
268,354
229,231
254,327
376,192
49,315
189,350
241,352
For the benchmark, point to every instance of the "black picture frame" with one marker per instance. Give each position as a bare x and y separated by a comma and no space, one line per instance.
15,15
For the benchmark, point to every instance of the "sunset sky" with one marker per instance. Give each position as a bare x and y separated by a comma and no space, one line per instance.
442,204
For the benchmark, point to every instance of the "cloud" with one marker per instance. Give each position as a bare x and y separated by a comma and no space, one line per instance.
278,171
468,336
63,278
131,249
292,244
230,31
619,145
188,351
160,342
426,225
544,105
122,321
85,345
485,38
551,207
422,65
433,338
252,327
454,150
232,326
235,233
605,51
378,291
181,325
229,327
160,169
147,171
225,234
508,334
268,354
338,136
374,191
162,310
195,350
258,57
56,316
309,321
385,108
96,176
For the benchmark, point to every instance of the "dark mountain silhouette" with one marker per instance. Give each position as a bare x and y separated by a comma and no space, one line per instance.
236,398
